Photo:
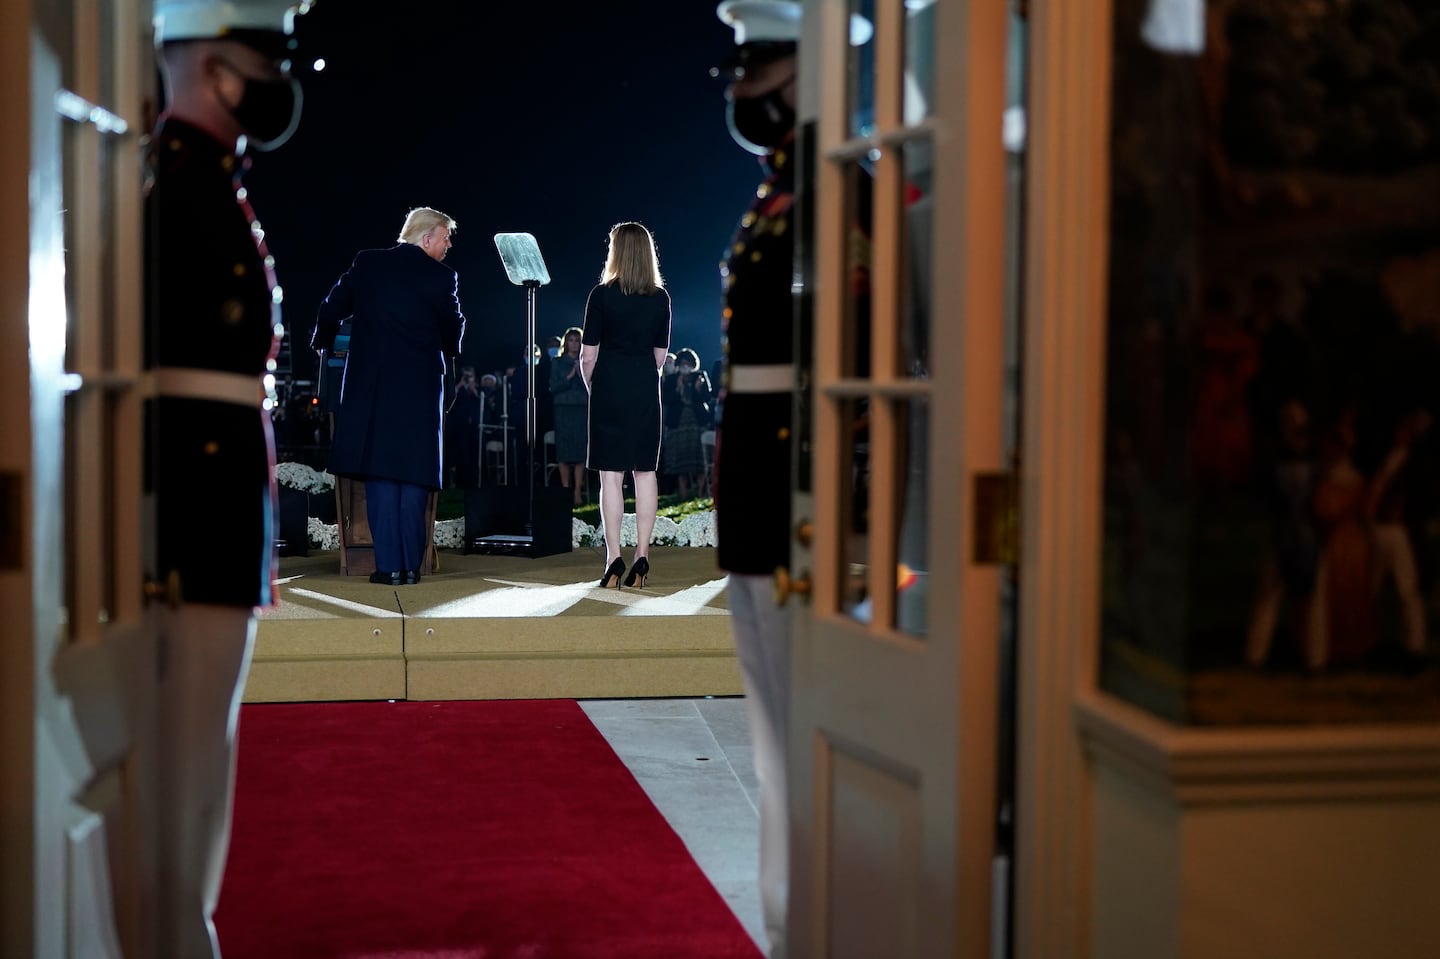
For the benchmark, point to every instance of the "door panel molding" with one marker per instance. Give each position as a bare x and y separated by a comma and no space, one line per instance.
1205,766
875,815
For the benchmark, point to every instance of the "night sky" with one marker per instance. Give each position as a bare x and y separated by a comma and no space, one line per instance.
553,119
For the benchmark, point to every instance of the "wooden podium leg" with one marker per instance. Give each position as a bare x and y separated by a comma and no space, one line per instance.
357,546
432,556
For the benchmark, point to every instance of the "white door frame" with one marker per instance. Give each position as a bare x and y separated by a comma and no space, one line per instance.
1067,214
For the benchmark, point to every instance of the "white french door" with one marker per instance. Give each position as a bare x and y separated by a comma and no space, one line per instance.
73,458
895,727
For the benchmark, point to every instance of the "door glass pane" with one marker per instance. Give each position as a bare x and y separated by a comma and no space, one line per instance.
855,507
804,221
919,79
855,289
860,69
915,263
919,60
912,542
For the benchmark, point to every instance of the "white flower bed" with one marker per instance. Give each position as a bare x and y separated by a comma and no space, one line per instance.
323,535
449,533
301,477
696,529
581,533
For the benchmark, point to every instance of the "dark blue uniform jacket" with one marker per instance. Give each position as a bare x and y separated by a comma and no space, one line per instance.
752,487
211,306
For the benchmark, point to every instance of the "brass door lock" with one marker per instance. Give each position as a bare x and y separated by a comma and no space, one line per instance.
167,592
785,587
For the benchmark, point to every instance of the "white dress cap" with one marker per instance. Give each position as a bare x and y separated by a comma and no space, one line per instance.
761,21
211,19
777,21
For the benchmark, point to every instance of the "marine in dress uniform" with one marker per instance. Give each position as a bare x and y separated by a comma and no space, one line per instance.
752,448
213,326
753,435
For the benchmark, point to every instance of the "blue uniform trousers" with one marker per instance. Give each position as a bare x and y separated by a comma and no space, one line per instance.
397,524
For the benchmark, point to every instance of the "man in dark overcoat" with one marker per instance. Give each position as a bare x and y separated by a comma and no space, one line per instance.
404,305
212,333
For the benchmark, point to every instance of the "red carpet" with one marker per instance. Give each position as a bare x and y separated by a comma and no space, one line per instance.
456,830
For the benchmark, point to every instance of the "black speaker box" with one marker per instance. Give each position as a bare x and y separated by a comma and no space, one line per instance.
294,522
496,517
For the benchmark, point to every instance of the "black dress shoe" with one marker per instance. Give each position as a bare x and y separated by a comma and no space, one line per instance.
639,572
386,579
412,576
613,572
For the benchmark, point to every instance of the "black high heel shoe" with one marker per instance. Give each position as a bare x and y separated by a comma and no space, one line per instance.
614,571
640,571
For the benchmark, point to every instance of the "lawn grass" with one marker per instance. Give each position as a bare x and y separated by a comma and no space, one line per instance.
671,507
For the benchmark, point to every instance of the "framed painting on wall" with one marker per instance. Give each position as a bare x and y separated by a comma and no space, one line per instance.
1272,483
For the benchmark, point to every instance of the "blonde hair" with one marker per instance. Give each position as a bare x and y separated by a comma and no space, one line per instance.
632,261
421,221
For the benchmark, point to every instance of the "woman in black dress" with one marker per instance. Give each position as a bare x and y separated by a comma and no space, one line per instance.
627,334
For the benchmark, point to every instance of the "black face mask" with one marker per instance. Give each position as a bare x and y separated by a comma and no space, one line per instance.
760,124
269,111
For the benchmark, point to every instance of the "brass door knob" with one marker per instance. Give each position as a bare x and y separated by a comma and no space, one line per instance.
785,587
167,592
805,533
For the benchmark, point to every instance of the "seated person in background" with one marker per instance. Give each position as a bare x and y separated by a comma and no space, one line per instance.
519,386
493,417
664,480
490,397
717,367
462,432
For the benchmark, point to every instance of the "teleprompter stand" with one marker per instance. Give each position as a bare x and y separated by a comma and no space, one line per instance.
525,521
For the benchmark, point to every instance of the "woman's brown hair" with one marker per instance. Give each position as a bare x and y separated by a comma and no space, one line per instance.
631,261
